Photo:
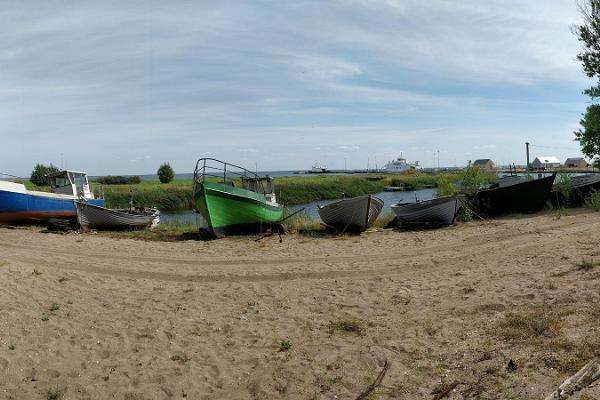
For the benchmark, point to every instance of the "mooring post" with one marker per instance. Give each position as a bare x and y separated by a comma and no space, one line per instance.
527,151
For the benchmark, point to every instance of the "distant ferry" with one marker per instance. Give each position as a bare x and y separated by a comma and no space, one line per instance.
318,169
399,165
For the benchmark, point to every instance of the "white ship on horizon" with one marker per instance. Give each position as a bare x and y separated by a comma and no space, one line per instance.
318,168
399,165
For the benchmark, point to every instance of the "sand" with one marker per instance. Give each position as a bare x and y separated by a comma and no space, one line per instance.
93,317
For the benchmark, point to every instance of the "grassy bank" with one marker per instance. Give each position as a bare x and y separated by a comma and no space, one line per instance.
291,190
175,195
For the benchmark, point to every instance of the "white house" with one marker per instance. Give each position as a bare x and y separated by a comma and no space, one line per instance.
546,162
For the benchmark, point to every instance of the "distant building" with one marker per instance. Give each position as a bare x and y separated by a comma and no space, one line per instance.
576,162
485,163
546,162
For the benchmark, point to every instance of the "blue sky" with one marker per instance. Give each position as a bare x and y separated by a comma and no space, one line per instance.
118,88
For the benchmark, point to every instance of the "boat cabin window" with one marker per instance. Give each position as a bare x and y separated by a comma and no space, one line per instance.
260,185
60,181
79,180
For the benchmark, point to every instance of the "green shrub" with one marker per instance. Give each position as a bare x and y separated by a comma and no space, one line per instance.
474,178
445,187
39,175
119,180
564,185
593,200
165,173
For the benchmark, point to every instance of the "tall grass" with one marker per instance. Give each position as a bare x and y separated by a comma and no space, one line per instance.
294,190
290,190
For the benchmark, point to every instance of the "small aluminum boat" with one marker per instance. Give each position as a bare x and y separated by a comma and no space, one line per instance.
355,214
91,216
442,210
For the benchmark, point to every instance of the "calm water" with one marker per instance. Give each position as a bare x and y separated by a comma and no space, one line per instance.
310,209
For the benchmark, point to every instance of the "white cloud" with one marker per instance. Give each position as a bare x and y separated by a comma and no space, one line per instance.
350,148
171,81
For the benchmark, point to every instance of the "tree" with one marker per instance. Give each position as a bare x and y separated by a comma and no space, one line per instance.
39,175
165,173
589,133
588,34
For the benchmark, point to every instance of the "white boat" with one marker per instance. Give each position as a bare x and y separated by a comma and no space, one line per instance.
318,169
91,216
442,210
355,214
399,165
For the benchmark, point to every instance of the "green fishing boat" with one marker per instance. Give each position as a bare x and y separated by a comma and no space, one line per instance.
249,207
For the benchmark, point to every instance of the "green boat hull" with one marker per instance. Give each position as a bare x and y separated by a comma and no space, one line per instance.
229,209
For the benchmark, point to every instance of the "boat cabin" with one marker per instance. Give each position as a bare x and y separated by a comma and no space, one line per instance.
262,185
72,183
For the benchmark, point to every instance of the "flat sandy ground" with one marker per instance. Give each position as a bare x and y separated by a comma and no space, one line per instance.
93,317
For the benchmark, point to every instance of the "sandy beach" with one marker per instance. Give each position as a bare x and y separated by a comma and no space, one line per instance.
94,317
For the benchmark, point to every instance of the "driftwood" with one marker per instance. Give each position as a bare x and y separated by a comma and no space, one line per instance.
446,391
585,377
374,385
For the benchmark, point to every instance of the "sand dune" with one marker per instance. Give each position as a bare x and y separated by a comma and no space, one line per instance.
93,317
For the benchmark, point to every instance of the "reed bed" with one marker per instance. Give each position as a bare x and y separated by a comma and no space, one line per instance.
291,190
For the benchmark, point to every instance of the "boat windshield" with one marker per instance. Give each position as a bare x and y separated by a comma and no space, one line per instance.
61,180
80,181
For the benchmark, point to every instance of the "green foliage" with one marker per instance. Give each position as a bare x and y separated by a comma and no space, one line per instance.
285,345
176,195
39,175
593,200
588,34
54,394
465,214
564,185
473,178
588,135
300,190
445,187
165,173
290,190
119,180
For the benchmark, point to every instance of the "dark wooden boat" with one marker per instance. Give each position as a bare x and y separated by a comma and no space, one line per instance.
519,197
435,211
581,187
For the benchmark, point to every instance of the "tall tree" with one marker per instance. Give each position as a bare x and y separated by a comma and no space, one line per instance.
588,34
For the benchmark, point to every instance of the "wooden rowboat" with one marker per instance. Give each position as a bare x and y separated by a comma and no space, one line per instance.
355,214
91,216
436,211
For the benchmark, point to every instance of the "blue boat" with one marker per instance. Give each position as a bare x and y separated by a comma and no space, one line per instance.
19,205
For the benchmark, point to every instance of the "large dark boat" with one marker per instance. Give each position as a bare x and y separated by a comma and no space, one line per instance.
578,189
519,196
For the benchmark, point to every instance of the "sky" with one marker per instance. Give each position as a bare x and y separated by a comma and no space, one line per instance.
120,87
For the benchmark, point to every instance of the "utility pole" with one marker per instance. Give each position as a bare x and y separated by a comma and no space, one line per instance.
527,150
438,159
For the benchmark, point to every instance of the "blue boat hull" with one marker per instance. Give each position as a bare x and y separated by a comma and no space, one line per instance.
26,207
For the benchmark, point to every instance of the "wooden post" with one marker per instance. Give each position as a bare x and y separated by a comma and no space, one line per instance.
527,151
582,379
